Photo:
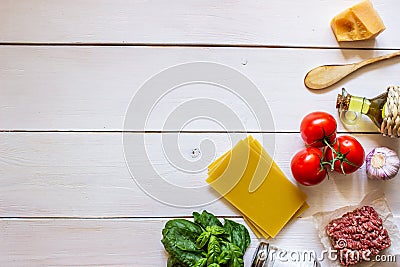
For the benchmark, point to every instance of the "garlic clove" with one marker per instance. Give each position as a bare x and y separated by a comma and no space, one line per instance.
382,163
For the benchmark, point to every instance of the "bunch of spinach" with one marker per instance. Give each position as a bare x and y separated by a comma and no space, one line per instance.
205,242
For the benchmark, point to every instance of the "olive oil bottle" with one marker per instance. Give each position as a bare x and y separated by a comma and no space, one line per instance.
350,107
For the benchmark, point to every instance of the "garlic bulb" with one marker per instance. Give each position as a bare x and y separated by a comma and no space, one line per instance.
382,164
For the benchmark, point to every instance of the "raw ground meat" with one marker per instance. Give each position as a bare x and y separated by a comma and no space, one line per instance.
358,235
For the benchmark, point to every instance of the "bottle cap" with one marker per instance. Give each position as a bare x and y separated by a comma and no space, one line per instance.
343,100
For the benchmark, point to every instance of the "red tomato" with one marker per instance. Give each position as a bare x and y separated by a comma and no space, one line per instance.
317,126
306,166
348,154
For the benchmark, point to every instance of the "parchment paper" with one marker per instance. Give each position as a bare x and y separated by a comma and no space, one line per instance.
374,199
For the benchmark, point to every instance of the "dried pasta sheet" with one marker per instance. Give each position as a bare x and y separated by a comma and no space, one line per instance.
374,199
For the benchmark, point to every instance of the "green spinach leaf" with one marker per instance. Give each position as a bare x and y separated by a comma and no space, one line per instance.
185,225
215,230
214,250
235,255
201,263
173,262
237,234
225,255
205,242
206,219
179,240
203,239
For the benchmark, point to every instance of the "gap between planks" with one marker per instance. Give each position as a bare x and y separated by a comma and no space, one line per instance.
112,217
167,132
191,45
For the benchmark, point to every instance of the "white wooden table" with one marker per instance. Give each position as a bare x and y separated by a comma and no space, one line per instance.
68,71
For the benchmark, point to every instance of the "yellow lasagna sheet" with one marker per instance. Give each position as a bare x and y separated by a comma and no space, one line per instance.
251,181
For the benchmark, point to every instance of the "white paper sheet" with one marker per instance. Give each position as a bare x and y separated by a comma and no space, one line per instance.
374,199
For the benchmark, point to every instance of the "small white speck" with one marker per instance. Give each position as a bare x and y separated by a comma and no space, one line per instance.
244,61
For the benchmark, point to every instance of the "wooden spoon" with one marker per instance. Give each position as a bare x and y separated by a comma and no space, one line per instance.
324,76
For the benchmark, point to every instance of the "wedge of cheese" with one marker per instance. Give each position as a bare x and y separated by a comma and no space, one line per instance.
359,22
273,202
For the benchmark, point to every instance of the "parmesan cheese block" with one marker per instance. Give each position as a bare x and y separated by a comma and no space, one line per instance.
360,22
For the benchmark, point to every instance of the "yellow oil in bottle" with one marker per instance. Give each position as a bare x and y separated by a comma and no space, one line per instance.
350,106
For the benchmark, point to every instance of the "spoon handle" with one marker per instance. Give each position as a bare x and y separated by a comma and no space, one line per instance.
376,59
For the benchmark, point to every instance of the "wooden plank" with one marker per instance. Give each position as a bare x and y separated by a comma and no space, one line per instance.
85,174
282,23
126,242
90,88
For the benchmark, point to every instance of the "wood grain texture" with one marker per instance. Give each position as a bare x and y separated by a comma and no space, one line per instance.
85,175
90,88
271,23
68,198
124,242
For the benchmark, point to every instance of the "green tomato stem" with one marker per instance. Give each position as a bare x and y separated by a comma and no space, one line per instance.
337,156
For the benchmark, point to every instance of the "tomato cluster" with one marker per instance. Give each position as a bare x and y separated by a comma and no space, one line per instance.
324,150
